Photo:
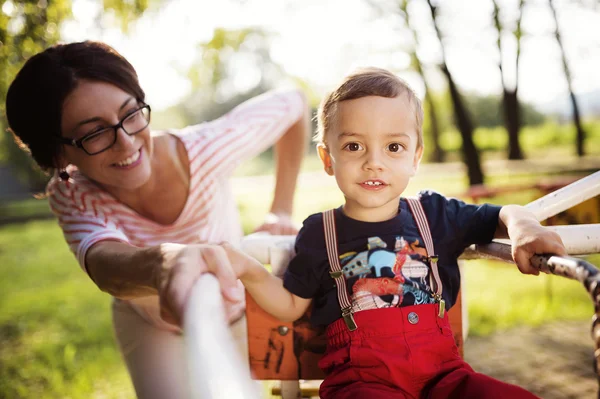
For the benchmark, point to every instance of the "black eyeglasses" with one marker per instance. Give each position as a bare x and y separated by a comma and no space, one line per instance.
101,140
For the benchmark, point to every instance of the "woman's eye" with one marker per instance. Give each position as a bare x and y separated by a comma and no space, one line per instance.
353,147
94,130
395,147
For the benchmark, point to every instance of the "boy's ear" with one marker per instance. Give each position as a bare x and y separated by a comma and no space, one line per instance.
417,160
325,158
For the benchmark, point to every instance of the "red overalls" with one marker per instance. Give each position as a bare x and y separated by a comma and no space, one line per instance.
399,352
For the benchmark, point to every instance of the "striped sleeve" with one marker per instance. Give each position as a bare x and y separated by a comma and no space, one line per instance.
82,221
218,147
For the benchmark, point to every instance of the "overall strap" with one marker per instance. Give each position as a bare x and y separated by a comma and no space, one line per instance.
421,218
335,270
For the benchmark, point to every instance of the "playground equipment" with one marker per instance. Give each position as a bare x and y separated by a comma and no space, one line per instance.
289,351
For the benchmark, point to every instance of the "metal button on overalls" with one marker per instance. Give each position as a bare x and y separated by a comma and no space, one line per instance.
413,318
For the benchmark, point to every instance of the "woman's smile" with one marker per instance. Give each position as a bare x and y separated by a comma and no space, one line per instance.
130,162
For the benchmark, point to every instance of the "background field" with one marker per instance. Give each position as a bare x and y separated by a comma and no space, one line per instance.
55,332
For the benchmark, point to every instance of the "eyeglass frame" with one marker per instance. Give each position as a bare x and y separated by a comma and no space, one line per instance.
79,142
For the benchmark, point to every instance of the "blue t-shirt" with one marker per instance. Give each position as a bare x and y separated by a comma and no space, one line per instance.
385,263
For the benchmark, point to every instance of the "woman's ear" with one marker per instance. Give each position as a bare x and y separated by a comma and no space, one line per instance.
325,158
61,161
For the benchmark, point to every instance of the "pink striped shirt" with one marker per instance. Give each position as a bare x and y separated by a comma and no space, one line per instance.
87,214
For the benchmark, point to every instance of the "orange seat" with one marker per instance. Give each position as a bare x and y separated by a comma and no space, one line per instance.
290,351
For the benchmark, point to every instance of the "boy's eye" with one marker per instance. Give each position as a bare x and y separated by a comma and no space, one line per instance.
353,147
395,147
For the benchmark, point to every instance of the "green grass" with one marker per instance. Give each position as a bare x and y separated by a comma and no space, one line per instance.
55,331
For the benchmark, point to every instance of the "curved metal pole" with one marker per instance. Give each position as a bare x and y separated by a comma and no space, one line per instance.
566,197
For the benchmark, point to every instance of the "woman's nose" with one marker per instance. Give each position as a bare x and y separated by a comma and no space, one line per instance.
123,139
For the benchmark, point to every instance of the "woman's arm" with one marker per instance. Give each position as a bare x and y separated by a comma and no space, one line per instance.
289,151
169,270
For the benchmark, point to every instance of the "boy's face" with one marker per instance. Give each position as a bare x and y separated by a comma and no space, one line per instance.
372,152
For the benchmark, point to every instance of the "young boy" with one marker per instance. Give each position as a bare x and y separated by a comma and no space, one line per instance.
381,270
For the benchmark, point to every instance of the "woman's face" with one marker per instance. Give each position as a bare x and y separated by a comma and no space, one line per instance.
92,106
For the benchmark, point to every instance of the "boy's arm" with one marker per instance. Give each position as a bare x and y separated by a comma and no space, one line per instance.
269,293
528,237
266,289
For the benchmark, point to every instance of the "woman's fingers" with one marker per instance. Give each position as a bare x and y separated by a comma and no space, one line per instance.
178,290
218,263
224,261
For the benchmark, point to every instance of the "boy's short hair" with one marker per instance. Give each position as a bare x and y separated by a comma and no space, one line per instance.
366,82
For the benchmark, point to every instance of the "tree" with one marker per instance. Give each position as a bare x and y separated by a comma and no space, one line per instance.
233,66
510,100
438,154
576,116
461,115
26,28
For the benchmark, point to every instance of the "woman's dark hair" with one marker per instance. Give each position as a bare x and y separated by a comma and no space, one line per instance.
35,98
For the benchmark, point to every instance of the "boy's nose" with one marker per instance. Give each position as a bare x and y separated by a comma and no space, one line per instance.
373,161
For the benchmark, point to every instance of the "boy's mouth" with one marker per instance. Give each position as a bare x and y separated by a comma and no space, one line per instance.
373,184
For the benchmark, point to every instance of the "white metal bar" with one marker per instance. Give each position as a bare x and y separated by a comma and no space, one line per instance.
215,367
267,249
579,239
566,197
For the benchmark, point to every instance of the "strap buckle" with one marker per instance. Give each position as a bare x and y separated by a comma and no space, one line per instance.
348,317
441,305
336,274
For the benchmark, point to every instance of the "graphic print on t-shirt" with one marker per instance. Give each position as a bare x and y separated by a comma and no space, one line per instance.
380,278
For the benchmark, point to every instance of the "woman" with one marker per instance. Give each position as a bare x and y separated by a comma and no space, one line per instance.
140,211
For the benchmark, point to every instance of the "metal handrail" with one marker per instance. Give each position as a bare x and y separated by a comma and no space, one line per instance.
216,369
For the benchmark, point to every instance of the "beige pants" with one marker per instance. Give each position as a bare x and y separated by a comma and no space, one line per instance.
155,358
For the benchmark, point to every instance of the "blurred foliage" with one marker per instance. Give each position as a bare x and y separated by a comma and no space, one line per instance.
487,111
26,28
542,141
233,66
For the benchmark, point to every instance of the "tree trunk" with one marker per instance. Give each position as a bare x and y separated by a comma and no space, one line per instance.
512,121
461,116
580,140
465,126
510,101
438,154
577,121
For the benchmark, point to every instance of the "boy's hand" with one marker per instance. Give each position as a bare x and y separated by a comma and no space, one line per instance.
529,238
244,266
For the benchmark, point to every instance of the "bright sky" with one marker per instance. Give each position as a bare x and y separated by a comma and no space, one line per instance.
321,40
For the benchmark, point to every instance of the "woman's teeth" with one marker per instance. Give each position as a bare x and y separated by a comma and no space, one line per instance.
129,160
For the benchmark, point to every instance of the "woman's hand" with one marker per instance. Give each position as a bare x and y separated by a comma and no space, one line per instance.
182,265
278,224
